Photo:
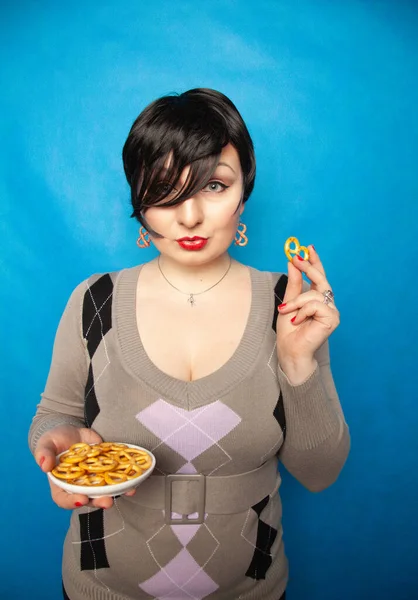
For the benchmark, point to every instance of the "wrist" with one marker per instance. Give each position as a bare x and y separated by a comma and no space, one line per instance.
298,370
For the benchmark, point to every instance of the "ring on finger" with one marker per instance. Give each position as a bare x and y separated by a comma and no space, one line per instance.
328,296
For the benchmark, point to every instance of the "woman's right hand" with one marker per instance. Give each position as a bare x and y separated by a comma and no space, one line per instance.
58,440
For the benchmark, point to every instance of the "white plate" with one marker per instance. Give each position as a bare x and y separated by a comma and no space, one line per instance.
97,491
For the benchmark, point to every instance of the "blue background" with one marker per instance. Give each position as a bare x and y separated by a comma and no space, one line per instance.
329,92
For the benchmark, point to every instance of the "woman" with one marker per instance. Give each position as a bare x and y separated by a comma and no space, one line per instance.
219,369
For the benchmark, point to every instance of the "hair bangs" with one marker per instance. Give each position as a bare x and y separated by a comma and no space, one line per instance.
177,131
163,187
189,137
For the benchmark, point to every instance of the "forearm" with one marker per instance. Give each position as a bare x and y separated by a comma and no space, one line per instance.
317,438
319,467
310,416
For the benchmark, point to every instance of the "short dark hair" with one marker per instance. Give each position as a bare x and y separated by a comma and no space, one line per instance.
193,127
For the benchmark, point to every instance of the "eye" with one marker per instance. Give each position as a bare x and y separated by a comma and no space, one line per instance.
215,186
163,188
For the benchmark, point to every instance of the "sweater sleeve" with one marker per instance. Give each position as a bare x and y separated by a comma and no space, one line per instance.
62,402
317,439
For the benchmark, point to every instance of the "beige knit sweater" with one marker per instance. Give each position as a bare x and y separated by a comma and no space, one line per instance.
232,427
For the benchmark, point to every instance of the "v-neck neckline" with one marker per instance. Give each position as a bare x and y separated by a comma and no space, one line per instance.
191,394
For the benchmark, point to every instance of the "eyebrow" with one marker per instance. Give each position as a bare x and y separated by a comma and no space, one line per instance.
224,164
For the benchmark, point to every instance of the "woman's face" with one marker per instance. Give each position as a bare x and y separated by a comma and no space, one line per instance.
211,216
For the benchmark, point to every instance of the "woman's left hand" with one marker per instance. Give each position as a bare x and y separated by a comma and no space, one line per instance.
305,322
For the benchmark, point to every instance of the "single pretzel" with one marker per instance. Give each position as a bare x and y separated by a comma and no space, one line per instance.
144,463
114,450
90,479
82,480
133,455
96,479
124,458
291,252
133,471
99,464
124,468
72,457
67,471
112,477
105,445
76,453
93,452
80,447
77,456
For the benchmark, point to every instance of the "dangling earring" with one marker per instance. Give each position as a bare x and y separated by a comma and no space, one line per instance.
240,237
144,240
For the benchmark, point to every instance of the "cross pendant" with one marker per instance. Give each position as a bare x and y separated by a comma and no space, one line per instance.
191,300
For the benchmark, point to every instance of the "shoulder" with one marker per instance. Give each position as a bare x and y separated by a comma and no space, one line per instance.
272,278
277,280
98,287
96,281
104,282
92,300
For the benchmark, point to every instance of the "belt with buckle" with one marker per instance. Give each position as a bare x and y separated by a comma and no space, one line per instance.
190,497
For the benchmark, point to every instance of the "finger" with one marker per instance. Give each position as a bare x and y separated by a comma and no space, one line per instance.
102,502
317,278
89,436
320,312
45,454
65,500
299,301
315,260
130,493
294,285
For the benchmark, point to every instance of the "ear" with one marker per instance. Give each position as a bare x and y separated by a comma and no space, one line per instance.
242,207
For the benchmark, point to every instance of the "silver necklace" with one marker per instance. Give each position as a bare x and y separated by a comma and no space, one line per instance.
191,295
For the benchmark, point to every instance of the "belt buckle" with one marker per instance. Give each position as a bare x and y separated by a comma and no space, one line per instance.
169,480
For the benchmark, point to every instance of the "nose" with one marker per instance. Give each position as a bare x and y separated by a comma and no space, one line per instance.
189,213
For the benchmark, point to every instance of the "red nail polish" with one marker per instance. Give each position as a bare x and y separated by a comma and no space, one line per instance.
293,318
299,257
78,504
41,462
312,246
282,305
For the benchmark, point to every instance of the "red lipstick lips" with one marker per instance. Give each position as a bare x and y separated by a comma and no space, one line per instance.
192,243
